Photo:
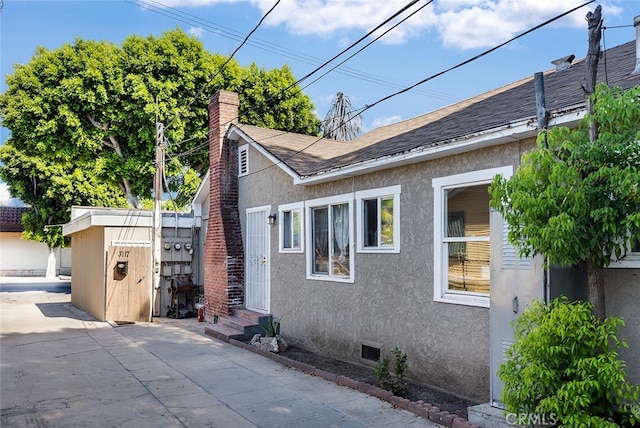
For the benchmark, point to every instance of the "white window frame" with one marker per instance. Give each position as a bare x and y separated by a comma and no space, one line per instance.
441,292
631,260
383,192
243,152
328,202
297,206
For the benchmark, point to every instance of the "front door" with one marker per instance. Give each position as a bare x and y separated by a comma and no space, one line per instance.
257,259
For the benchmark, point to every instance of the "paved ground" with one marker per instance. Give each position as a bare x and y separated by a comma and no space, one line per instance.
61,368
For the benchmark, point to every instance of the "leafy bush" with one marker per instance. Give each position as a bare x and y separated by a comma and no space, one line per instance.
395,383
564,363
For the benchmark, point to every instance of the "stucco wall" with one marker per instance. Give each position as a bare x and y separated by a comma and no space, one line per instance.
21,257
622,294
391,301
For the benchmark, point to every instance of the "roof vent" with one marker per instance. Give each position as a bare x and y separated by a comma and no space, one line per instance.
636,23
564,62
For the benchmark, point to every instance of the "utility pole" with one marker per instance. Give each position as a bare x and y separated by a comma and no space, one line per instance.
157,216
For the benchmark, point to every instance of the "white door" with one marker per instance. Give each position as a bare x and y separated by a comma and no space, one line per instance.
515,282
257,260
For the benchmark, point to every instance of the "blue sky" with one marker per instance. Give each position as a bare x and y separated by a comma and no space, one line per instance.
305,33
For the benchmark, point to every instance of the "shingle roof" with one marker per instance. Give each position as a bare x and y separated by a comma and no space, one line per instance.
11,218
500,107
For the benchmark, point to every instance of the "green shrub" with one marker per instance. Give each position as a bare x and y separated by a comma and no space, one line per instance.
394,383
564,363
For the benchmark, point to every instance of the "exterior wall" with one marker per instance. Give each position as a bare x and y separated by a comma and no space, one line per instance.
622,294
201,242
21,257
391,301
88,279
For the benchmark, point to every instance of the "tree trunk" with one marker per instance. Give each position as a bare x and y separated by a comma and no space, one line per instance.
112,143
595,281
126,186
591,63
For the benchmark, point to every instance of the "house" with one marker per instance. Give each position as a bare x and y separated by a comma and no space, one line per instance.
348,241
21,257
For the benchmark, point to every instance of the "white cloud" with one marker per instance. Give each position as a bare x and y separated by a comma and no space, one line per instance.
196,31
5,196
384,121
462,24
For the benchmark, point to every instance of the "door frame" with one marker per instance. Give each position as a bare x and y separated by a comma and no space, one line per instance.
265,210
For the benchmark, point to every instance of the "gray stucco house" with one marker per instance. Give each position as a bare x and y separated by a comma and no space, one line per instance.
388,240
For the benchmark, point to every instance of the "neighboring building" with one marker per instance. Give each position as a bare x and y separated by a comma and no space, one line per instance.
388,240
21,257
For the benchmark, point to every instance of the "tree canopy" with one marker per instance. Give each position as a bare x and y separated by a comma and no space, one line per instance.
82,120
573,200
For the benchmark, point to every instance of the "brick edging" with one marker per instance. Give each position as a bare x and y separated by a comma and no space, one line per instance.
418,408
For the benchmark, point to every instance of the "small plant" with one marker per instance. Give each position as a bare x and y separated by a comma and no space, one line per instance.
271,326
564,363
394,383
382,371
401,362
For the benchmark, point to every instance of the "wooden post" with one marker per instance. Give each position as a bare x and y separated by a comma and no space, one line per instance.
157,217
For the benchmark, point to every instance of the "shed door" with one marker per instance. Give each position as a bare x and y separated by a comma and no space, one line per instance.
257,260
129,278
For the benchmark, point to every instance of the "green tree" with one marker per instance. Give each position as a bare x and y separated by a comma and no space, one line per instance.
82,121
573,200
264,103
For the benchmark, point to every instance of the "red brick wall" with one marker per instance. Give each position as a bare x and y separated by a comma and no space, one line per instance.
224,251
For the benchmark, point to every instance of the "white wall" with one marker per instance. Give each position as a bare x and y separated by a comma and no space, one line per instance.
20,257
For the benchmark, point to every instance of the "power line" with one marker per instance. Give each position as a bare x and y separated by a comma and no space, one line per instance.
230,58
386,21
488,51
220,30
368,44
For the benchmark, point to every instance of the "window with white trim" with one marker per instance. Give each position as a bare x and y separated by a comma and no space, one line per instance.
461,237
378,220
243,160
631,259
329,238
290,225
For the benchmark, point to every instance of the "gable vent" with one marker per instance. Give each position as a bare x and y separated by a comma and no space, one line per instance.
243,160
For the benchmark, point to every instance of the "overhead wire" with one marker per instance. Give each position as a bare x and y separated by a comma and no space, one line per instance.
220,30
368,44
345,50
387,97
255,28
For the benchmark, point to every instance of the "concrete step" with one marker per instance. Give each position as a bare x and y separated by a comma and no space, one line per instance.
223,332
250,315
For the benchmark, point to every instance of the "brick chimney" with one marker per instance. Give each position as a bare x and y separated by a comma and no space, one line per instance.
224,252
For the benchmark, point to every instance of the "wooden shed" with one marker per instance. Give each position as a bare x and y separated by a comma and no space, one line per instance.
112,261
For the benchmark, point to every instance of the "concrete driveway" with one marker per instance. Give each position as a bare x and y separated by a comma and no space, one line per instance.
61,368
